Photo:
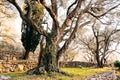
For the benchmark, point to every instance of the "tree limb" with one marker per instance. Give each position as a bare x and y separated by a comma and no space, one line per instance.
51,12
103,14
13,2
71,15
29,12
71,6
72,36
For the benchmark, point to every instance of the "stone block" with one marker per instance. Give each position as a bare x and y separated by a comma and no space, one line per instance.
20,67
2,77
5,70
6,65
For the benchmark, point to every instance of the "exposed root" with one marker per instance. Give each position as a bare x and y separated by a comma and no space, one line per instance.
37,70
65,73
41,71
58,71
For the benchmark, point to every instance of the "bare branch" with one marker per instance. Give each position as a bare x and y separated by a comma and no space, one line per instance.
54,6
18,8
95,17
71,15
93,30
51,12
29,12
72,36
108,10
70,29
103,14
71,6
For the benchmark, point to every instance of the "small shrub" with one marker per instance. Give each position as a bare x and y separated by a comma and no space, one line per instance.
117,64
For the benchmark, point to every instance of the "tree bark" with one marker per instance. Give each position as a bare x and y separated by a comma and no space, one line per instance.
99,62
39,69
49,60
41,53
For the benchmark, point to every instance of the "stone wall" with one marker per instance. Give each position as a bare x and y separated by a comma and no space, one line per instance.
11,64
15,66
105,76
77,64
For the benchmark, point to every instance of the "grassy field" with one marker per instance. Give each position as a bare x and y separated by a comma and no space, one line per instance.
78,74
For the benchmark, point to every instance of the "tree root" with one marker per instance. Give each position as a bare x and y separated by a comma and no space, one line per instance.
41,71
58,71
65,73
37,71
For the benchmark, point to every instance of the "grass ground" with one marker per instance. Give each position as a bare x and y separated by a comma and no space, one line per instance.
117,72
78,74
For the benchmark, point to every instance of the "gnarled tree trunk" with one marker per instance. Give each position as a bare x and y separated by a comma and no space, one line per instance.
41,53
49,60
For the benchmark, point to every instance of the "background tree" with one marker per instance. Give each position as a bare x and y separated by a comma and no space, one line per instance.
76,13
30,38
99,45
